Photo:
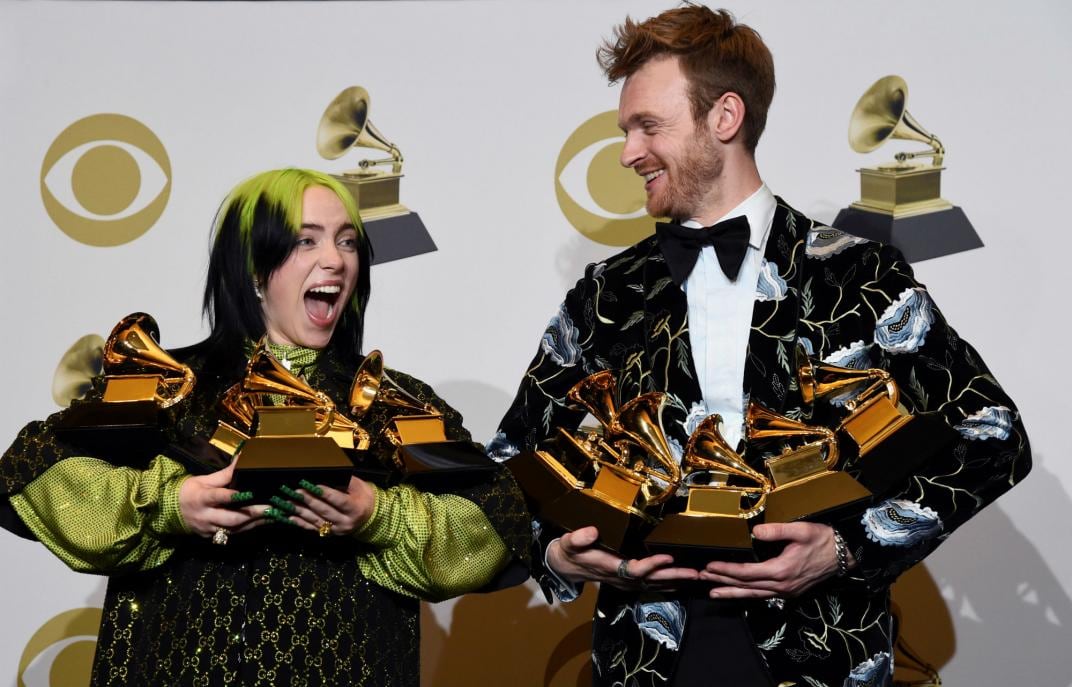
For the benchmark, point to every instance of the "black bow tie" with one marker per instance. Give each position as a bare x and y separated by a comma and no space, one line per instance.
682,245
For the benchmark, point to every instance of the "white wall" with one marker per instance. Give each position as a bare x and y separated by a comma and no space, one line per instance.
481,97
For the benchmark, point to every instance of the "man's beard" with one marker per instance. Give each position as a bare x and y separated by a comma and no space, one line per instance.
690,181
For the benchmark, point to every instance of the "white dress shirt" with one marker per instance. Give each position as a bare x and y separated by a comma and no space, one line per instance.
720,315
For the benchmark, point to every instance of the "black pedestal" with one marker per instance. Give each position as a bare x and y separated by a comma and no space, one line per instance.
919,237
394,238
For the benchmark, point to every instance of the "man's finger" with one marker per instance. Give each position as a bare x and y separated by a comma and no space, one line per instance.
579,540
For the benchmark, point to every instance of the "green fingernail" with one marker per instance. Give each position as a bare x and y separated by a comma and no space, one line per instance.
241,496
278,516
311,488
291,494
282,504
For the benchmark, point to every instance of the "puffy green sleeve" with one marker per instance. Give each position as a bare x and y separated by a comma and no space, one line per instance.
100,518
430,546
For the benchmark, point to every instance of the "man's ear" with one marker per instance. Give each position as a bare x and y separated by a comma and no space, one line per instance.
726,117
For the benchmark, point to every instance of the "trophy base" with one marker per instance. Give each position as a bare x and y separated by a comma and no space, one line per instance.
458,458
919,237
621,528
121,433
542,478
198,455
883,469
821,498
266,463
696,540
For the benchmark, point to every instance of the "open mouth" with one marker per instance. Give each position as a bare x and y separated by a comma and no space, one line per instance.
650,177
322,302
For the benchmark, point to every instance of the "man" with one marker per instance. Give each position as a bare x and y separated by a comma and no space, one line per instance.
712,331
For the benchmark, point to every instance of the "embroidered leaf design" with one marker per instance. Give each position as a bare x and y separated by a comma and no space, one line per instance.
849,275
917,390
835,609
636,265
602,363
633,319
774,641
659,286
791,224
806,300
813,682
639,288
783,359
547,417
829,278
682,357
620,261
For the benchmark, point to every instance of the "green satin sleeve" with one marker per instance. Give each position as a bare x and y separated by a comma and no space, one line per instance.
100,518
429,546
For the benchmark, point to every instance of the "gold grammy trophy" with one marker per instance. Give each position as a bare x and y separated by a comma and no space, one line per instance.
417,429
889,442
805,482
715,522
620,486
140,380
900,201
295,431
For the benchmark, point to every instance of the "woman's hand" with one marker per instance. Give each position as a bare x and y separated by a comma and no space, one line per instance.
325,510
207,504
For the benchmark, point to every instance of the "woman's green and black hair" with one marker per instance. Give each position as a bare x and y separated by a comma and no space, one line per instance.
255,230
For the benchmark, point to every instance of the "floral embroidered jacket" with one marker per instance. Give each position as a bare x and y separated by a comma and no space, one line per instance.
848,301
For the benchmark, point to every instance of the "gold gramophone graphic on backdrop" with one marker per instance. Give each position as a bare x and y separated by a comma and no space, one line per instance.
140,380
890,442
724,494
900,201
345,124
804,479
622,470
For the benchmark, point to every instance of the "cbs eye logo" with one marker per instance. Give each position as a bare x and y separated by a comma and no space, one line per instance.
61,651
114,171
600,198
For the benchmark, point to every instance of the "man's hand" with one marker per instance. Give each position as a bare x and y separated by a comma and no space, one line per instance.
577,558
808,558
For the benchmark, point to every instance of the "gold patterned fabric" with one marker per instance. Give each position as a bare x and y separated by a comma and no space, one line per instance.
97,517
279,605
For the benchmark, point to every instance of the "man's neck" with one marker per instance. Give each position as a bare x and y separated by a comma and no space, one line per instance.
739,180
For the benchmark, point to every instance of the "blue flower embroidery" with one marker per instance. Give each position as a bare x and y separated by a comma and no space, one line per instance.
900,523
990,422
771,286
499,448
855,356
825,241
904,325
663,621
560,340
873,672
697,412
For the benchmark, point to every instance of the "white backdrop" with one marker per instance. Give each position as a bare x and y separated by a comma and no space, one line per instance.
481,96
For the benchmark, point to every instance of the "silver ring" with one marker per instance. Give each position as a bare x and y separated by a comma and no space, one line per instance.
220,536
623,571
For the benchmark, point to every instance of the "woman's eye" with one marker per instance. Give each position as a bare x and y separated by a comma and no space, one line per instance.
304,241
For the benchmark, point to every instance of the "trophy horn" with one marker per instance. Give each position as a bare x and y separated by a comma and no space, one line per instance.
372,383
133,344
708,450
763,423
345,124
881,114
819,381
595,393
76,370
640,420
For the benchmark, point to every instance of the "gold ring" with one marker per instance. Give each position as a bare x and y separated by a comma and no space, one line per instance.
220,536
324,529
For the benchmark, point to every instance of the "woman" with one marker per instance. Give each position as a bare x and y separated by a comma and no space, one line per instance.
205,589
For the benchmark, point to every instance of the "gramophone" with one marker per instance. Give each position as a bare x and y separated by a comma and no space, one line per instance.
140,380
900,201
805,481
626,487
294,431
416,429
724,495
394,230
889,442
